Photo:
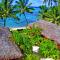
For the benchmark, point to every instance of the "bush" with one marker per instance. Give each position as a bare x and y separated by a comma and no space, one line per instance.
32,57
25,39
48,49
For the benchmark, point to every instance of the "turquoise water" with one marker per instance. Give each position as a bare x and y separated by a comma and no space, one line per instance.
10,22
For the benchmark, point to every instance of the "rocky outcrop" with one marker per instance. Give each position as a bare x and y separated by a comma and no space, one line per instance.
49,30
8,49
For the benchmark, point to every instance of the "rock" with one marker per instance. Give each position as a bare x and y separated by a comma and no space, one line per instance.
35,49
46,59
8,49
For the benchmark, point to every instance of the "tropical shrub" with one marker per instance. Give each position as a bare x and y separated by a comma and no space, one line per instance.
25,39
22,41
48,49
32,57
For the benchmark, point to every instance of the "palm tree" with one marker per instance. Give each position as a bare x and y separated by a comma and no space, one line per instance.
58,2
22,7
43,9
52,15
7,10
50,2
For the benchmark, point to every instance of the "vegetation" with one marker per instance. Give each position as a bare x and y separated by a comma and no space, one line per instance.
27,38
7,10
51,13
32,57
49,49
23,8
50,2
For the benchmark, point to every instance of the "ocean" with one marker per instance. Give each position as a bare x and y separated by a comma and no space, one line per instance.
10,22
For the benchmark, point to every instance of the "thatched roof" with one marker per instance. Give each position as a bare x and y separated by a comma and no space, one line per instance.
8,50
50,30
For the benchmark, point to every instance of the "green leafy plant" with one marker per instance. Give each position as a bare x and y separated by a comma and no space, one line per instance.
43,9
22,40
34,35
51,14
25,39
32,57
48,49
16,36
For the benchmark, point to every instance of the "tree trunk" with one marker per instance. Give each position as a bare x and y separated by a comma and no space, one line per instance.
4,22
26,19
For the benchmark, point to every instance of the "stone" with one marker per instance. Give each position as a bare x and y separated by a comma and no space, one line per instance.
46,59
35,49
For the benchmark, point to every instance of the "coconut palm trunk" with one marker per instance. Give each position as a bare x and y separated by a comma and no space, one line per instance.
4,22
26,19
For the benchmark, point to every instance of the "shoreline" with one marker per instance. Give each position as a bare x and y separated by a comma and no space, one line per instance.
17,28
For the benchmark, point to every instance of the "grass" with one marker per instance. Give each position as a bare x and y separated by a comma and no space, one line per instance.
27,38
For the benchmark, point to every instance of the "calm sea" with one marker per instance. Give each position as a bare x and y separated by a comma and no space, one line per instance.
10,22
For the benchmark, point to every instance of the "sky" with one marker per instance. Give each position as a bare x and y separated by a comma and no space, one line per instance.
35,3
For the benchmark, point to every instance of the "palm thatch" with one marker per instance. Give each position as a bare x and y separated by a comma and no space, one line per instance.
8,50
